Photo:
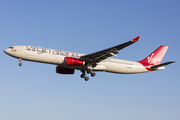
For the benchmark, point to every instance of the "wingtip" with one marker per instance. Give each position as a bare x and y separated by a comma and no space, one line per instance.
136,39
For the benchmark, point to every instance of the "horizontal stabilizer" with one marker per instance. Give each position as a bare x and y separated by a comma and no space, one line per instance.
160,65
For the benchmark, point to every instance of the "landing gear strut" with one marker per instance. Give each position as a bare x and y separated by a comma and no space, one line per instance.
92,73
20,64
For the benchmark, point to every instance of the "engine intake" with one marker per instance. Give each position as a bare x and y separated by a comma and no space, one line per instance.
74,61
63,70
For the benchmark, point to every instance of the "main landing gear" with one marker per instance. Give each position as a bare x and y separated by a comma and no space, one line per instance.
83,75
92,73
20,64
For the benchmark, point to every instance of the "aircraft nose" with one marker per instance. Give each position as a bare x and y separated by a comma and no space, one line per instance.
6,51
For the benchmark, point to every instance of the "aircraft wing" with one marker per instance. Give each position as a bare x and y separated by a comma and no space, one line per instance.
96,57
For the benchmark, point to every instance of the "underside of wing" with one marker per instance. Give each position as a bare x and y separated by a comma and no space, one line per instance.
96,57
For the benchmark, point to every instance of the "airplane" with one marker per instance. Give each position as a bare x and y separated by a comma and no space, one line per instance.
68,62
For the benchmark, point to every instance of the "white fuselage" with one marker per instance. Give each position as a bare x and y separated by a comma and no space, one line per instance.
56,57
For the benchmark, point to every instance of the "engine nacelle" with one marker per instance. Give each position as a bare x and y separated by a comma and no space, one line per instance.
63,70
74,61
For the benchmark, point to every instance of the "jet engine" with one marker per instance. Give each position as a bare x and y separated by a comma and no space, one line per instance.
63,70
74,61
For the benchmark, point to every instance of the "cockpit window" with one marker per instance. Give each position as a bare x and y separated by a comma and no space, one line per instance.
11,47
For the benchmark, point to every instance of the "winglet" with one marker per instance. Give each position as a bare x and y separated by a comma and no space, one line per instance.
136,39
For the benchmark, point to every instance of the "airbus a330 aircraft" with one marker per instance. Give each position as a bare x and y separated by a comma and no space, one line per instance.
67,62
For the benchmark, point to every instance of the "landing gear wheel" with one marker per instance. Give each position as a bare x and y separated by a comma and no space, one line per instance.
86,78
88,71
82,76
93,74
20,64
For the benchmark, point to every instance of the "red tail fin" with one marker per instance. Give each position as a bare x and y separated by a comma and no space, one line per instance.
156,57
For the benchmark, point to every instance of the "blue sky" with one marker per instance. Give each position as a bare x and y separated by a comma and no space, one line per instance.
35,91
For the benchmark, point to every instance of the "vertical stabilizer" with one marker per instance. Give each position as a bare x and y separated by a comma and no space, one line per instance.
155,57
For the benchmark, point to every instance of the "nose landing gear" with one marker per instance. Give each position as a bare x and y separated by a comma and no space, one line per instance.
20,64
